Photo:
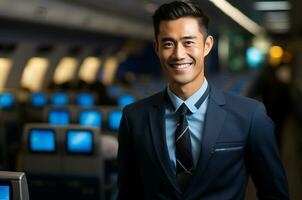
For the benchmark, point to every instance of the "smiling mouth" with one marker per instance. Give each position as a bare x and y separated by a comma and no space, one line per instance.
181,65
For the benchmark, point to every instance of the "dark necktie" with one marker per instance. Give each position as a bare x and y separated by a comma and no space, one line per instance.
184,157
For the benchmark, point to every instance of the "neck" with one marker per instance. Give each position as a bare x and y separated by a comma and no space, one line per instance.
184,91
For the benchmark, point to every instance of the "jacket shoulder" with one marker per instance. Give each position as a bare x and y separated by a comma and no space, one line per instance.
241,102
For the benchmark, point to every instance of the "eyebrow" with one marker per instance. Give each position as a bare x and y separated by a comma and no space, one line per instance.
165,39
188,37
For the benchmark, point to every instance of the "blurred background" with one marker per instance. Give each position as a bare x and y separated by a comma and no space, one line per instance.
68,67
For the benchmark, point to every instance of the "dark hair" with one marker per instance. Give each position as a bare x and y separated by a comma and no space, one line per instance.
178,9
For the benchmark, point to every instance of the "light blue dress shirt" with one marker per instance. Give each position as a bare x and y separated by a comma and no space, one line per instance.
195,120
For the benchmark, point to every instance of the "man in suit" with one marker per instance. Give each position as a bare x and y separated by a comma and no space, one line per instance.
193,141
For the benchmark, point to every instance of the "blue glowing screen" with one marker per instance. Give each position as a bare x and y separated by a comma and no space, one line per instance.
58,117
4,192
79,141
114,91
254,56
42,140
59,99
125,100
114,119
85,99
38,99
90,118
6,100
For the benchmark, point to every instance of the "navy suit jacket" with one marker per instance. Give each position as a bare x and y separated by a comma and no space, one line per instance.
238,141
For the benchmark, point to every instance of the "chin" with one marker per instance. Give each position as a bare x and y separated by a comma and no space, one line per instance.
181,81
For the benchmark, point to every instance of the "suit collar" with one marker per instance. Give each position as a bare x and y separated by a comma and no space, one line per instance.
215,94
194,101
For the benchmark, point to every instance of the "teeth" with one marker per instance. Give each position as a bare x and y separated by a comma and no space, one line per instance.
180,66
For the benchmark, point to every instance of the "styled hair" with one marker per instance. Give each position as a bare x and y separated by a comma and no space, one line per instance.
178,9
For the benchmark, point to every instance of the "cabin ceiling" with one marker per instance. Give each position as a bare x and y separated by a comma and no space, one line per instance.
130,17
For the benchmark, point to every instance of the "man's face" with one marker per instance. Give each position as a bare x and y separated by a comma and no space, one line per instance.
181,48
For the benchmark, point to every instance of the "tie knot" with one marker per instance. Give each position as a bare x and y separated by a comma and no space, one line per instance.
183,109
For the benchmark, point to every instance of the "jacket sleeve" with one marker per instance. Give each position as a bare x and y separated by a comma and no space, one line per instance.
128,172
263,158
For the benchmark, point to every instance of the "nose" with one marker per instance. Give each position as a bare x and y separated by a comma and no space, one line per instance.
179,52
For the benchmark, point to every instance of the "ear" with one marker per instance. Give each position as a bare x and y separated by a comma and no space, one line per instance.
208,45
155,46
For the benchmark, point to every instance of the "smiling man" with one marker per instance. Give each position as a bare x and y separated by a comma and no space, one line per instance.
193,141
181,48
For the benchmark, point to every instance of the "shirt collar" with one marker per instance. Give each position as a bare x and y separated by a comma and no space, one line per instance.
190,102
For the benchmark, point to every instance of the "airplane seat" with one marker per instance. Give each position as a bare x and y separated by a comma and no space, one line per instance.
10,127
41,144
109,144
13,186
83,163
112,118
34,107
63,162
109,147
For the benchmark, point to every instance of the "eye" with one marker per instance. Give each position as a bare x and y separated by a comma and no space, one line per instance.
188,43
168,44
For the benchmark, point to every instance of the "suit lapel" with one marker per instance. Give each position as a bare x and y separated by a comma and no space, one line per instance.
214,120
158,134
